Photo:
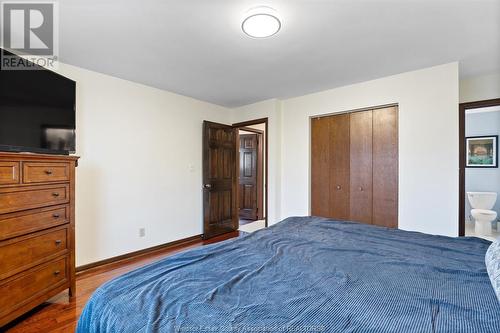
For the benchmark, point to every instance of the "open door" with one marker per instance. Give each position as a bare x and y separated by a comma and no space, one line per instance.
219,179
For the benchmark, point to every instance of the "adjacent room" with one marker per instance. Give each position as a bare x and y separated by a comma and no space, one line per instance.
482,176
249,166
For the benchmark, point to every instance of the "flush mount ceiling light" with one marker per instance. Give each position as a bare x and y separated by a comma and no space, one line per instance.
261,22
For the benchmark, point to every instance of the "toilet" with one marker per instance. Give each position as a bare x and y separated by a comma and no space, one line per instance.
482,203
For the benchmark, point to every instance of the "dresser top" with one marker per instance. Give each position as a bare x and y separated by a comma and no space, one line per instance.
36,156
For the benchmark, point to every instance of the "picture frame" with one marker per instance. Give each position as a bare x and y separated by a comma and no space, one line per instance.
482,151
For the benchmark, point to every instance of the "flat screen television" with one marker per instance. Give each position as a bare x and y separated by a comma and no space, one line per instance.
37,111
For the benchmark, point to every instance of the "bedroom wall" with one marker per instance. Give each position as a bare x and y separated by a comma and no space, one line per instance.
140,164
480,88
428,143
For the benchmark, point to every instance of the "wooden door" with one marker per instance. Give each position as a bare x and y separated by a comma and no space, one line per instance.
320,168
248,186
339,167
219,179
385,167
361,166
330,166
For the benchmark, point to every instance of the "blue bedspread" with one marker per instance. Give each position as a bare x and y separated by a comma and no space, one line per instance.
306,274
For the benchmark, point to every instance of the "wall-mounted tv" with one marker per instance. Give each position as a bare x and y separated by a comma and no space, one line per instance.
37,110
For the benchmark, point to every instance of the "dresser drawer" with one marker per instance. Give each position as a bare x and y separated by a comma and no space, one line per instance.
19,254
21,223
9,173
36,172
24,288
22,198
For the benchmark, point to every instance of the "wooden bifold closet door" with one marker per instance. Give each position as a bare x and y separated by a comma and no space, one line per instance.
354,166
385,167
330,160
361,166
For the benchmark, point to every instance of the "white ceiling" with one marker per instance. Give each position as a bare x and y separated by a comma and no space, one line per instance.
196,47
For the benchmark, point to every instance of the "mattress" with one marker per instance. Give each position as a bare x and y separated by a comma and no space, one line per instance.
306,274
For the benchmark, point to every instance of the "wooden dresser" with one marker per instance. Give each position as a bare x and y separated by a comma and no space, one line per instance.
37,230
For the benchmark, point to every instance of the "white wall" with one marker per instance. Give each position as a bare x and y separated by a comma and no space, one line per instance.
136,145
428,143
480,88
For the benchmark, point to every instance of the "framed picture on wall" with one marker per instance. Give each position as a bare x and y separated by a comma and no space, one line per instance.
482,151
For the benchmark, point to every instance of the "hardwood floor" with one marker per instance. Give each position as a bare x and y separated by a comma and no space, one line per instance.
60,314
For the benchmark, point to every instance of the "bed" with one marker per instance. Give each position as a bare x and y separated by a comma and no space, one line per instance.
306,274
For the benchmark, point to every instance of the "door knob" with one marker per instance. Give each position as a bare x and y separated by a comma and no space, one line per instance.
207,186
361,189
339,187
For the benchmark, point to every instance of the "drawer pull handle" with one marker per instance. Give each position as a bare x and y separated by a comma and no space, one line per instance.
57,272
55,194
56,216
48,172
58,242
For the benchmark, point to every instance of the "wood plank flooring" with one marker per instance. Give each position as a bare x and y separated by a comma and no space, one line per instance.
60,314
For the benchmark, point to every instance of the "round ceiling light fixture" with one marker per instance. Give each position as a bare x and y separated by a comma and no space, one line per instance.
261,22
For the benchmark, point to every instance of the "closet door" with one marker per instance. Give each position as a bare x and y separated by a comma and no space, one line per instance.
385,167
339,167
320,159
361,166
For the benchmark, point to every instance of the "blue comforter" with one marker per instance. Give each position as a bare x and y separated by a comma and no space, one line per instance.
306,274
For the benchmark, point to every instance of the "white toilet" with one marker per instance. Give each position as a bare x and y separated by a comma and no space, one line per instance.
482,203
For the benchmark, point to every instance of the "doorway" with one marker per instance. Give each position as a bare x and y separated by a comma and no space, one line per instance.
479,177
252,174
235,173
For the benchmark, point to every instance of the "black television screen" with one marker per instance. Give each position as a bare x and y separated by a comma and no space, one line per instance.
37,111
